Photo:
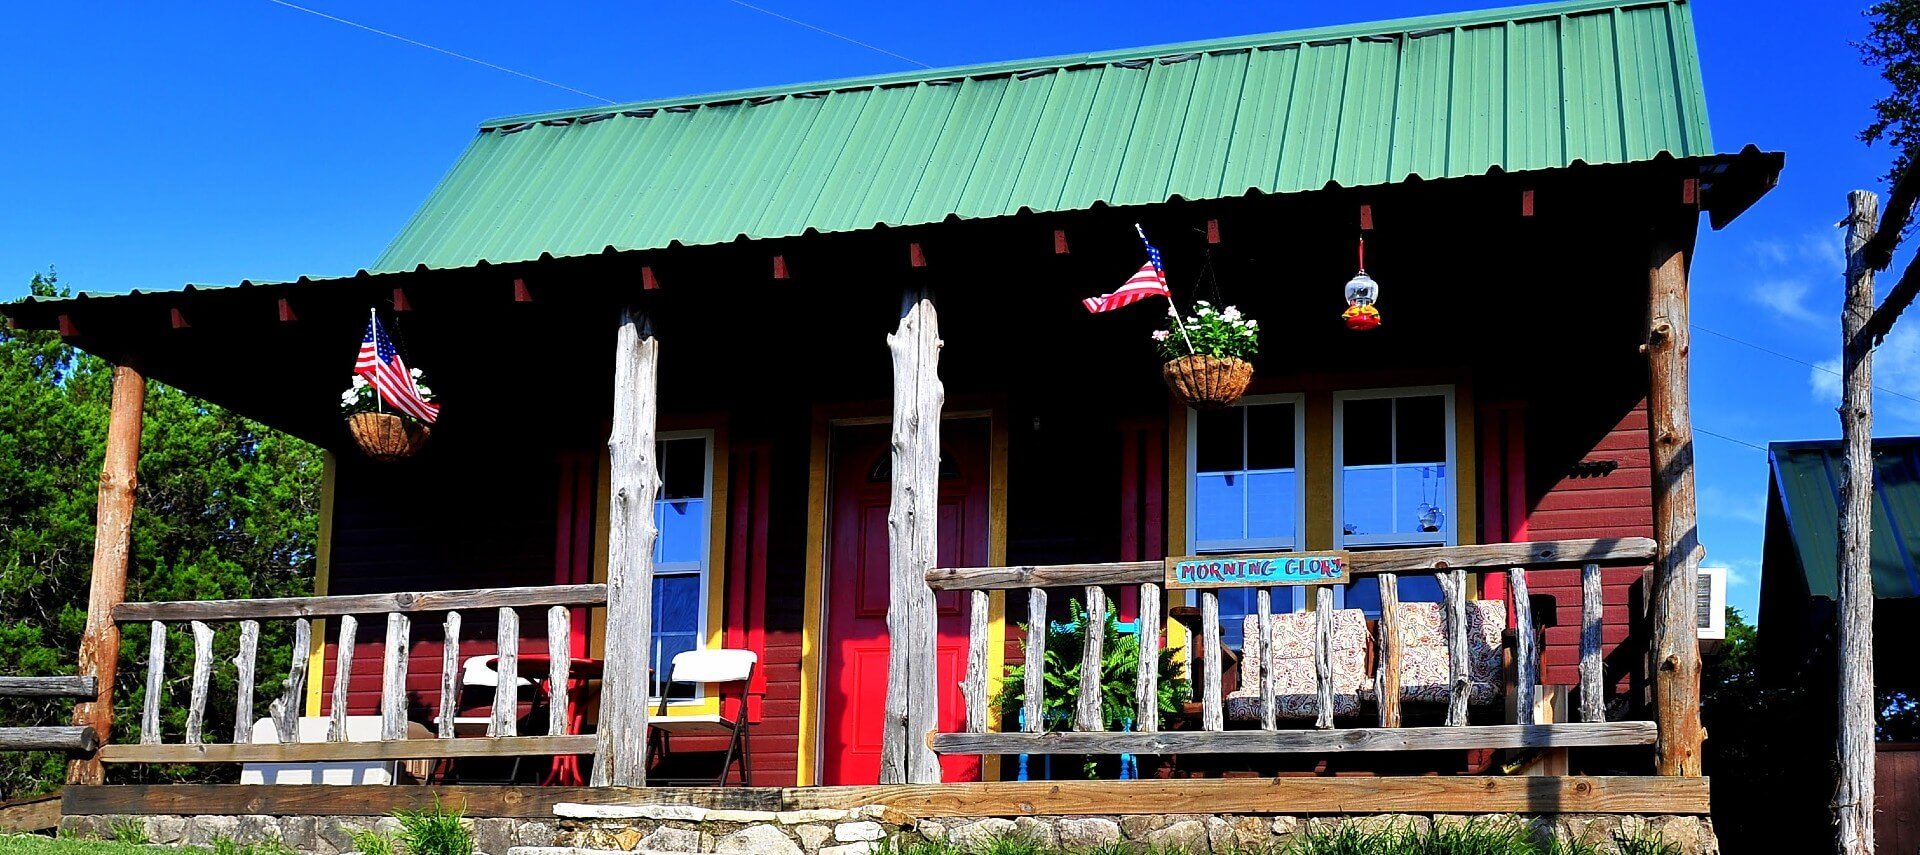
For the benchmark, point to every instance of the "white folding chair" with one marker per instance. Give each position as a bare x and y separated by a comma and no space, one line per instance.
717,670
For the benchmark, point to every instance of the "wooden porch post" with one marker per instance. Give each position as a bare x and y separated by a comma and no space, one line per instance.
622,743
912,525
1676,646
112,537
1853,793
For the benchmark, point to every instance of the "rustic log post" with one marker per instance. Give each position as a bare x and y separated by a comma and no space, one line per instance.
286,708
1323,657
1453,595
1593,682
1034,691
1675,643
1146,697
1387,683
112,538
912,709
244,662
1263,636
393,677
505,720
202,679
156,673
974,688
1089,712
1525,665
449,675
622,743
1853,795
1212,716
344,645
559,669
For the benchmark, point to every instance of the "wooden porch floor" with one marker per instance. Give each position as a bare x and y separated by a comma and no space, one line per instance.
1432,794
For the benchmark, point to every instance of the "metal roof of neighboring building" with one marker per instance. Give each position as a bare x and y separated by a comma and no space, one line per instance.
1806,484
1524,88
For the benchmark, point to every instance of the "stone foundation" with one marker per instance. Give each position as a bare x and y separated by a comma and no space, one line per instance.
680,829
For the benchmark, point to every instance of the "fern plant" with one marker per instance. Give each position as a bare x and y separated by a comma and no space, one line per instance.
1119,667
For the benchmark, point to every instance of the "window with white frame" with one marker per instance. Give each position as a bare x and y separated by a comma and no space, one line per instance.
1394,482
681,554
1246,489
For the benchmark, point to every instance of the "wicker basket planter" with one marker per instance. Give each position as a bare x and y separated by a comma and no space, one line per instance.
1207,382
386,437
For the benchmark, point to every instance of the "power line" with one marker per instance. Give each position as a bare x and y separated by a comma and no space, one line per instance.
824,30
1729,439
1814,366
460,56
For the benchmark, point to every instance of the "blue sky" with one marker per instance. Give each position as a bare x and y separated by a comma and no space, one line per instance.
160,143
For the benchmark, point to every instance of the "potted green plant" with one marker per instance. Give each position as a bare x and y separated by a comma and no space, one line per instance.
384,435
1119,667
1206,355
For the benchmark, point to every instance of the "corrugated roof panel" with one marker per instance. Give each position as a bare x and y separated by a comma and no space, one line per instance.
1364,150
1206,131
1477,100
1535,130
1260,121
1527,88
961,150
1004,149
1420,132
1807,478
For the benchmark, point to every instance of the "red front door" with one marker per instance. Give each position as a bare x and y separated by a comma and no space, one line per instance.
857,593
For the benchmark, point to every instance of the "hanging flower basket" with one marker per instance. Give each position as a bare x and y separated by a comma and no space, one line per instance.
387,437
1208,382
1206,354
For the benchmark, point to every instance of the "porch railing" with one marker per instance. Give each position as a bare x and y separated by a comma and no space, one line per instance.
502,739
1449,564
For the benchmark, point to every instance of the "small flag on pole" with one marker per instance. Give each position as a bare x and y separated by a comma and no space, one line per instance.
1148,281
380,363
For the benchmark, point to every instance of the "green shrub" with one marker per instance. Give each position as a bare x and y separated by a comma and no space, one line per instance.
434,832
129,831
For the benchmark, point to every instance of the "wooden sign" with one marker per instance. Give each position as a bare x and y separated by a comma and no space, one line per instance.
1278,568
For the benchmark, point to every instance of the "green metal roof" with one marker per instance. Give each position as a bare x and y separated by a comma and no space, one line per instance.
1806,483
1532,87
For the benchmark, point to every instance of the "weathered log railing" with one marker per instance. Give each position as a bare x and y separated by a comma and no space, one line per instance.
1449,564
502,737
74,739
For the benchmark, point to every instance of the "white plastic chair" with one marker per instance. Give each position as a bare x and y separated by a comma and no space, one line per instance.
718,670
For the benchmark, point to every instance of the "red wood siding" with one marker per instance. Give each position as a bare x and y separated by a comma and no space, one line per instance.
1587,501
425,526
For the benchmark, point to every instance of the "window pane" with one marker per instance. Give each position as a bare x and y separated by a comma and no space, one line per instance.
1217,511
1419,589
1218,440
1367,431
1422,499
676,625
1364,592
1271,509
1270,436
683,531
1366,497
683,468
1422,427
1235,605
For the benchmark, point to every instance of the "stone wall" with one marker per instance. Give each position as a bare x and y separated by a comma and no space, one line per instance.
581,829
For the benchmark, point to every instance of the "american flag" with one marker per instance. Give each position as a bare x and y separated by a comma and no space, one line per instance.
1148,281
380,363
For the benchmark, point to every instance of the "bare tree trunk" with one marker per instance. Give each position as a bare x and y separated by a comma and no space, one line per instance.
112,539
912,525
1853,794
631,532
1674,640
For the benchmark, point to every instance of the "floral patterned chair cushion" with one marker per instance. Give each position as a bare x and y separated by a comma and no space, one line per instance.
1296,690
1424,667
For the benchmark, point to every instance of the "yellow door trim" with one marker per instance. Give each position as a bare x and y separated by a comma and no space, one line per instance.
322,577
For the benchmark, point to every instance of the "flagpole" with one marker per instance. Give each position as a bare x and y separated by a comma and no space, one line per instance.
373,321
1172,311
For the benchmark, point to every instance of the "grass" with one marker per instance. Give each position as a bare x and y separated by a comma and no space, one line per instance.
28,844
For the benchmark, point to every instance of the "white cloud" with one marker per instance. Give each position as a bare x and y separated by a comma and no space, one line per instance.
1896,378
1786,298
1717,502
1740,572
1824,377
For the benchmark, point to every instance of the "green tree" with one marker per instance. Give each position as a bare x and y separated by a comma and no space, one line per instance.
1893,46
225,507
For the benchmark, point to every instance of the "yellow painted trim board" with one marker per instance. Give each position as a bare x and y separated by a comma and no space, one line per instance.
1174,631
322,577
998,439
